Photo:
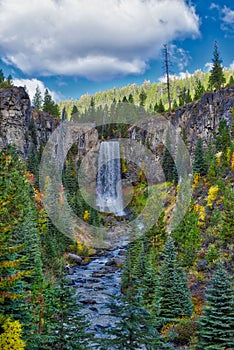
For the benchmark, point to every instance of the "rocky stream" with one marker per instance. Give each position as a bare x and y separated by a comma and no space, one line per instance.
95,283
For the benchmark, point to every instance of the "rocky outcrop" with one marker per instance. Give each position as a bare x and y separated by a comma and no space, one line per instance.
197,119
25,127
15,115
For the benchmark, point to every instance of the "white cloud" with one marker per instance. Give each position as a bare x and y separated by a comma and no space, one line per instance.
181,75
208,66
214,6
31,85
228,17
228,21
232,65
179,56
92,38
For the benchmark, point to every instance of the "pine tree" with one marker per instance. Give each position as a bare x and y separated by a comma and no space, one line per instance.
199,90
142,98
199,164
187,235
49,106
231,81
175,299
13,203
130,98
37,98
218,318
174,105
168,161
2,78
188,98
20,250
157,233
168,165
134,327
223,139
227,221
64,328
160,108
74,113
216,79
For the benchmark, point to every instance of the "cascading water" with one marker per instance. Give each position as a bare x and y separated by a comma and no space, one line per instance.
109,186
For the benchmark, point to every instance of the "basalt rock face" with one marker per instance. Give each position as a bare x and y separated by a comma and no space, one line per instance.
25,127
15,115
197,119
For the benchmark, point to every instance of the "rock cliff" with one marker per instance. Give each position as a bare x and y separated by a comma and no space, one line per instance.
196,119
23,126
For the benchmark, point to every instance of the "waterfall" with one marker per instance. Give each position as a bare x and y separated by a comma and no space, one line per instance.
109,186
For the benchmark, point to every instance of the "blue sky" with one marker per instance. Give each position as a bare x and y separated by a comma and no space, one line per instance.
75,47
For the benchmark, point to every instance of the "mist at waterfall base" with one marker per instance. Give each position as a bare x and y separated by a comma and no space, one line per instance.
109,185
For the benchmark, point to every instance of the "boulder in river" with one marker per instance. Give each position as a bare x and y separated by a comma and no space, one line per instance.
76,258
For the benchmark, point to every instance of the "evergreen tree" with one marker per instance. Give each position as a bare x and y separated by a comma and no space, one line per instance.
155,107
199,90
20,253
188,98
37,98
227,221
175,299
157,233
134,327
64,328
168,161
74,113
174,105
142,98
168,165
160,108
218,318
199,164
231,81
187,236
182,96
49,106
9,81
216,79
130,98
223,139
2,78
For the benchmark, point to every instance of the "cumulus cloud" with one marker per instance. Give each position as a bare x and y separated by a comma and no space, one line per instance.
208,66
227,17
178,56
181,75
31,85
232,65
96,39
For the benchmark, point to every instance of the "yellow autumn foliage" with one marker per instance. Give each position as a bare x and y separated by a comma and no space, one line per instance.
86,215
196,179
218,158
212,195
10,339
